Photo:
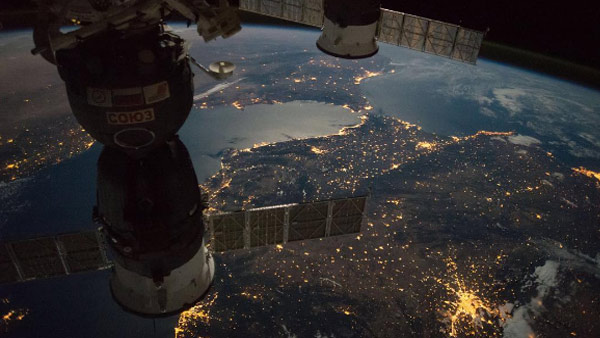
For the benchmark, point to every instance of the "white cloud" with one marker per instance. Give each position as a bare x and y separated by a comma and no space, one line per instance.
546,278
319,335
287,332
487,112
509,98
523,140
518,325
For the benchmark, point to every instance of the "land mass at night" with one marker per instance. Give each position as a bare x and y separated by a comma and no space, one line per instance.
461,236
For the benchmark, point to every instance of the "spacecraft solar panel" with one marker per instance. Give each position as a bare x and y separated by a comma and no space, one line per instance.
308,221
467,45
266,227
308,12
227,231
46,257
38,258
286,223
430,36
347,216
84,251
8,271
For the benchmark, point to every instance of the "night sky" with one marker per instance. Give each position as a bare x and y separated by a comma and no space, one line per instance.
567,30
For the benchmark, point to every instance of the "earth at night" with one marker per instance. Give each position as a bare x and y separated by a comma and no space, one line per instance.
483,218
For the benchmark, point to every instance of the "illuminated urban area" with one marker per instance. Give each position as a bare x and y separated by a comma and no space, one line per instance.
423,262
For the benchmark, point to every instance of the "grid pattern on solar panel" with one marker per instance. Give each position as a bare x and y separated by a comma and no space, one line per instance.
429,36
441,38
46,257
82,251
308,221
414,32
8,272
287,223
266,227
38,258
468,43
228,231
347,216
308,12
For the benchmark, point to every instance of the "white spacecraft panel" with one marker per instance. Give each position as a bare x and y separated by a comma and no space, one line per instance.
430,36
285,223
308,12
46,257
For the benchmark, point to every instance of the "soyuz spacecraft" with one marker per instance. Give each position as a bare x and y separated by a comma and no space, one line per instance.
130,85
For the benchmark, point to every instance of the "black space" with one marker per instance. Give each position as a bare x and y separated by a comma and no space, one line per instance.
566,30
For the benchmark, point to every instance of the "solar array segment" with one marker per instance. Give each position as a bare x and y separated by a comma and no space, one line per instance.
308,12
430,36
286,223
401,29
65,254
46,257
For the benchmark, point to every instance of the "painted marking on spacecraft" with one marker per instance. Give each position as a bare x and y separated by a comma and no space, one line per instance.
128,97
130,117
157,92
99,97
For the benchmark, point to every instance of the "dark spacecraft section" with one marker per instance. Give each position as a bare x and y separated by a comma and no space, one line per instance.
150,209
131,90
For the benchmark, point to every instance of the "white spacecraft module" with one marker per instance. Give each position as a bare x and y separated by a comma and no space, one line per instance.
351,29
